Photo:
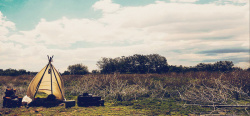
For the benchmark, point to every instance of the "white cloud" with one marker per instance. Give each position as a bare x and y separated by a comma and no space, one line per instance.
232,1
106,6
188,1
243,65
175,30
5,26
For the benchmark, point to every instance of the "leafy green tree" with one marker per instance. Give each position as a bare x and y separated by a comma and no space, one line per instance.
22,72
157,63
11,72
78,69
1,72
223,66
177,69
107,65
95,72
204,67
66,73
217,66
137,63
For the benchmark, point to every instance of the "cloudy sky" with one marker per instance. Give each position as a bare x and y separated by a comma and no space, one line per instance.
186,32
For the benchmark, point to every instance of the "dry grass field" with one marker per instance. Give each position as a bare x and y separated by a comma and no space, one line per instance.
147,94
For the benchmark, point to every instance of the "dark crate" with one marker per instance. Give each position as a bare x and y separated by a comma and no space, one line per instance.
8,102
69,103
88,99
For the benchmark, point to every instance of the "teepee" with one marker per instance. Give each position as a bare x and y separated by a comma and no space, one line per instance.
49,81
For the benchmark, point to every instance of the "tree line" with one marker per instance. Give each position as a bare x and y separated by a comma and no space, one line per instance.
14,72
142,64
135,64
222,66
155,63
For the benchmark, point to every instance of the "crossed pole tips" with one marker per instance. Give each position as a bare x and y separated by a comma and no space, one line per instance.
50,58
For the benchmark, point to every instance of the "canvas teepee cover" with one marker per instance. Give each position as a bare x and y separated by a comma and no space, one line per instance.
49,81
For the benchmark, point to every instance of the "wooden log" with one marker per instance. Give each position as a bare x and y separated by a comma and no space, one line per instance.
225,105
219,105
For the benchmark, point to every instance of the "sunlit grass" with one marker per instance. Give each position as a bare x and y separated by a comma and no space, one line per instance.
108,109
41,95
